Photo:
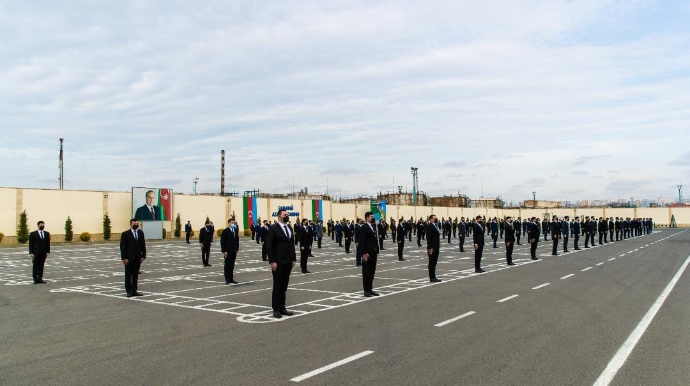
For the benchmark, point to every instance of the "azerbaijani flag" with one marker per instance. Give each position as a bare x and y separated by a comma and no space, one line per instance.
164,202
316,210
250,217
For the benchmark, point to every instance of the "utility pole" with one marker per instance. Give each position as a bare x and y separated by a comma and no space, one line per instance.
62,165
195,181
222,172
415,182
680,196
534,200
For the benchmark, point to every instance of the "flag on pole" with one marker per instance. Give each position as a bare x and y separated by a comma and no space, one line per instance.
250,217
165,203
317,210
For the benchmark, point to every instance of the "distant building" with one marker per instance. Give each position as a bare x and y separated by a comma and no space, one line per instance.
459,201
542,204
483,202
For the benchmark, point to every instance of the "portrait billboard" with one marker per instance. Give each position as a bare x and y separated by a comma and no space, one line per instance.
152,204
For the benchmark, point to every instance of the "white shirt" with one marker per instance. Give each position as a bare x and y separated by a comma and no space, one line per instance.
286,230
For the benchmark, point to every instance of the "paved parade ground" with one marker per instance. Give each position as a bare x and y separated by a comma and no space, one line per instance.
619,311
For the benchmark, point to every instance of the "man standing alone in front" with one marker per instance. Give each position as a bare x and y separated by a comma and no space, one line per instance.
205,240
229,245
509,239
188,230
39,249
132,253
369,249
433,244
478,236
280,247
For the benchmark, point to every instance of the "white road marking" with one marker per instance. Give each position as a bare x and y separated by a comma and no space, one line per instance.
449,321
624,351
587,269
541,286
600,263
506,299
331,366
612,259
567,276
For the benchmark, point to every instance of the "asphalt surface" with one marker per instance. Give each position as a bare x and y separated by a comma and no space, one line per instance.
190,328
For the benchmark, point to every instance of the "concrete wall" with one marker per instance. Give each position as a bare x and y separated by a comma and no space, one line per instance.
86,208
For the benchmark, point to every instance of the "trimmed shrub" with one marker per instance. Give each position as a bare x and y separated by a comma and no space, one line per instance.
1,236
69,232
23,228
106,227
85,236
165,233
178,226
219,232
247,232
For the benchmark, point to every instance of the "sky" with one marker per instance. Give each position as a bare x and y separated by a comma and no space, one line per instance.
576,99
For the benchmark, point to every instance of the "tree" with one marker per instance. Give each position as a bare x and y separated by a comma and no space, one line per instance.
178,226
69,234
23,228
106,227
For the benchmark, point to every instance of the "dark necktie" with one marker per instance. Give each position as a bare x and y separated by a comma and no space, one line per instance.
136,236
153,215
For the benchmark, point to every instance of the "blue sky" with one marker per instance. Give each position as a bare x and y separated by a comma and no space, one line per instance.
572,99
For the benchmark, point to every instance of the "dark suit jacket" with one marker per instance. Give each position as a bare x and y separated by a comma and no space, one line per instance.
477,234
368,242
432,238
306,238
382,229
38,246
400,235
347,231
534,233
510,233
462,228
131,248
230,240
188,228
206,236
555,229
279,248
143,213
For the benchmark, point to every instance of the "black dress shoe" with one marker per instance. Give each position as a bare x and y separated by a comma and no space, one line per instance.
209,265
554,254
277,315
374,293
286,312
535,258
367,294
479,270
42,282
401,259
511,263
233,282
435,280
129,295
136,294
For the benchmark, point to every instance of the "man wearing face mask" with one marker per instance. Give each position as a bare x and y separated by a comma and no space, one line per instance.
39,249
478,239
229,245
433,244
132,253
205,240
534,239
509,239
280,247
305,243
369,249
347,233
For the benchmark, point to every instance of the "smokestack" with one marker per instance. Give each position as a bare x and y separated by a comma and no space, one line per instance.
222,172
62,166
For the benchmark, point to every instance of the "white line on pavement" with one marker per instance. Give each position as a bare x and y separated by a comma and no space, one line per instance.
624,351
506,299
567,276
541,286
587,269
449,321
600,263
331,366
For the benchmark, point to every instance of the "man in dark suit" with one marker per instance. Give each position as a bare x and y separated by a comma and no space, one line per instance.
347,233
534,237
509,239
433,244
229,245
565,232
555,234
305,242
358,254
264,232
382,234
39,250
400,238
420,232
188,230
494,231
517,225
462,231
478,241
575,231
280,247
149,211
132,253
205,240
369,248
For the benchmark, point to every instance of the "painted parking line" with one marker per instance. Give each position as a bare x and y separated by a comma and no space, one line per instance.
449,321
331,366
541,286
586,269
567,276
506,299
